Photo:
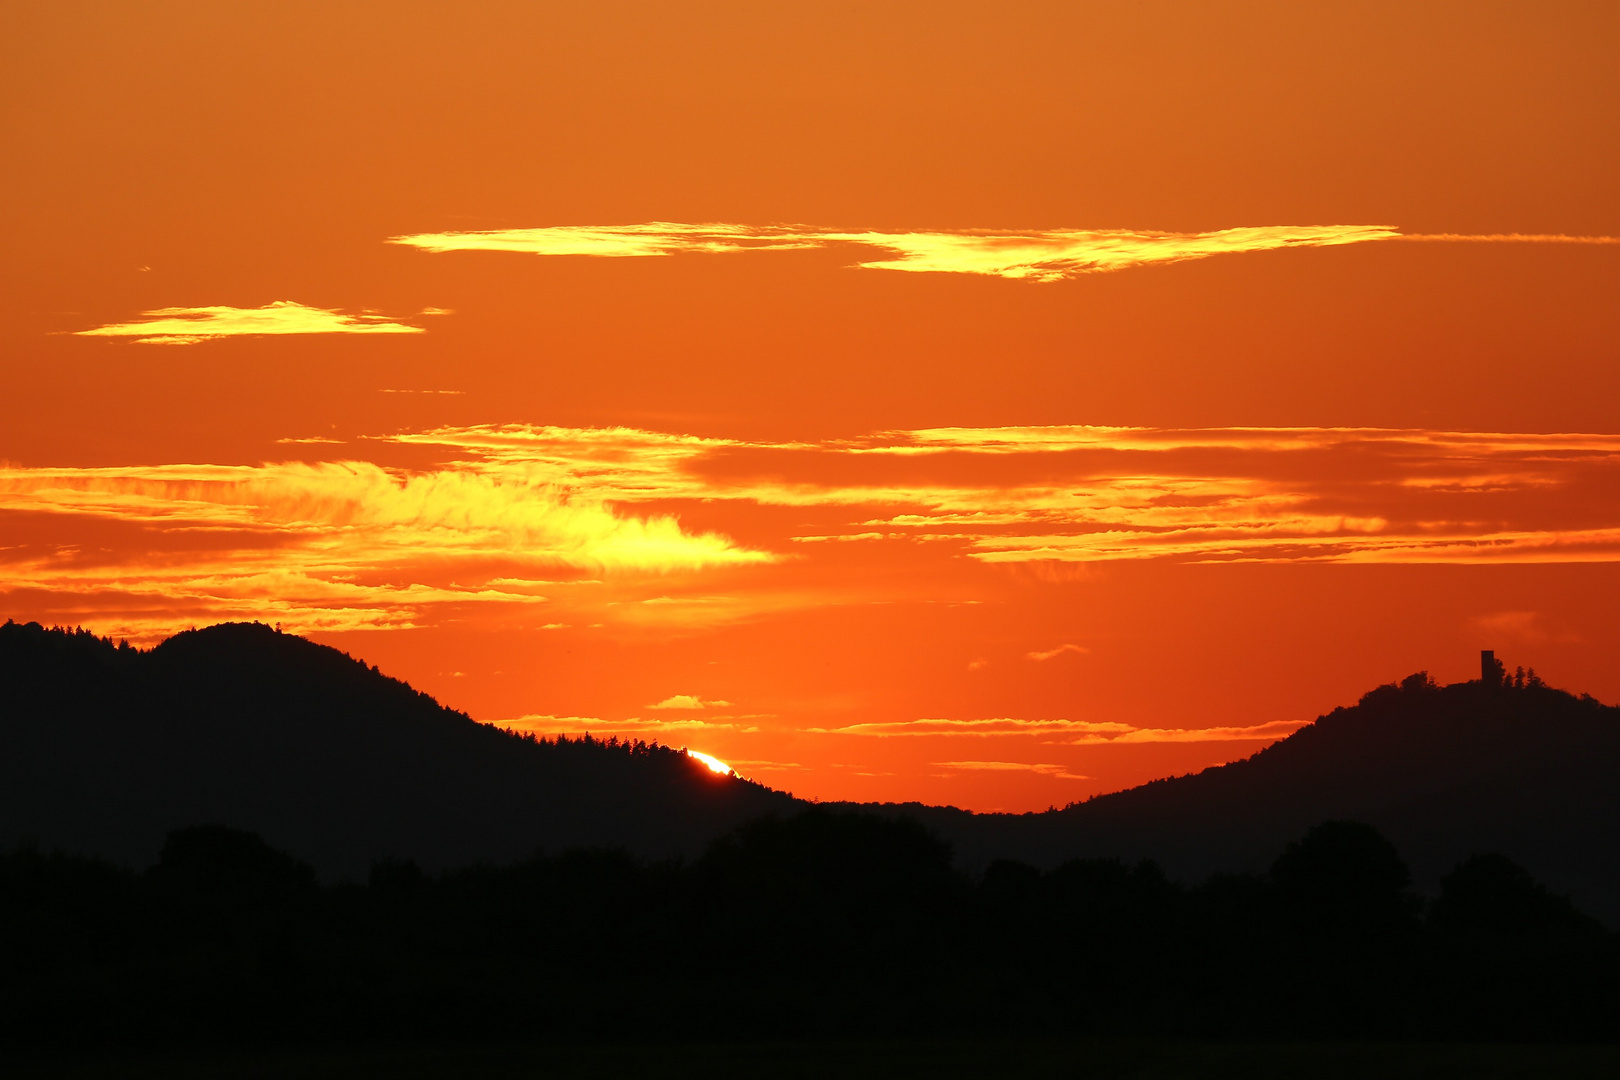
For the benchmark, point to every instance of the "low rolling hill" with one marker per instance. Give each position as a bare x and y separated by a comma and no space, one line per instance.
104,749
1532,773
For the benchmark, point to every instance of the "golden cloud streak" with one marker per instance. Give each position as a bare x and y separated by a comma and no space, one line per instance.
1277,729
1511,238
689,701
508,509
189,325
633,726
1059,772
998,726
1043,255
1066,647
336,545
1066,732
359,510
1332,510
1232,545
1057,438
1064,253
1037,255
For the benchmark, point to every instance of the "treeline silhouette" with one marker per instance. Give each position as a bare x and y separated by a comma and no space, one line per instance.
822,924
692,904
105,748
1513,766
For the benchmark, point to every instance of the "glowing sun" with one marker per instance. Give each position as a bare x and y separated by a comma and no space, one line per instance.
711,761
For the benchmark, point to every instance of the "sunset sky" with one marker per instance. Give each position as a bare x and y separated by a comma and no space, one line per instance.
988,404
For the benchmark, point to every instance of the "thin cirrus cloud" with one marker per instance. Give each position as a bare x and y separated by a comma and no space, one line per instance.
1057,772
541,725
1058,651
1034,255
1039,255
1091,494
689,701
336,545
190,325
1060,732
1511,238
590,520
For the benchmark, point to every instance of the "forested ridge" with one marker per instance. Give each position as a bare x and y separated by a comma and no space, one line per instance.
464,882
105,748
824,924
1519,768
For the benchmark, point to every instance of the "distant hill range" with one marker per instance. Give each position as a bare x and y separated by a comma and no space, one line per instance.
1532,773
104,749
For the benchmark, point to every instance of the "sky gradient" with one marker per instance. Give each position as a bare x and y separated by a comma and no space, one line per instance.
983,404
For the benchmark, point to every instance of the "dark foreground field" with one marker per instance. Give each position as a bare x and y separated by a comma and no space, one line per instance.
1102,1060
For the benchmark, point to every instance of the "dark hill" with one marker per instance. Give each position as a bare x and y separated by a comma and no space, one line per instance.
1532,773
103,750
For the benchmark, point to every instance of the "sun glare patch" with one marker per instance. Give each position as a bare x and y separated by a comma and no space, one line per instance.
714,763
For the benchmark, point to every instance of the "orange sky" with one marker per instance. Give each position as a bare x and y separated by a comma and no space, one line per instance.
992,404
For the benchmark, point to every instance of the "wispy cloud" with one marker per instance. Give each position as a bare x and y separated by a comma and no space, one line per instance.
1032,255
189,325
345,544
1082,494
689,701
1064,732
1060,772
635,726
1534,627
1037,255
1059,651
1511,238
985,728
546,724
512,514
1277,729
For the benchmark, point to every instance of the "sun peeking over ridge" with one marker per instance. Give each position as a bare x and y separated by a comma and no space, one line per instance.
713,763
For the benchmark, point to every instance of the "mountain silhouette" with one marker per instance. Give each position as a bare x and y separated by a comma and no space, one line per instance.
104,750
1445,772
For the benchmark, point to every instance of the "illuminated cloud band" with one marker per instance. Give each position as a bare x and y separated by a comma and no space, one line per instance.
1087,494
1058,732
1042,255
1034,255
588,525
1057,772
189,325
634,727
331,545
